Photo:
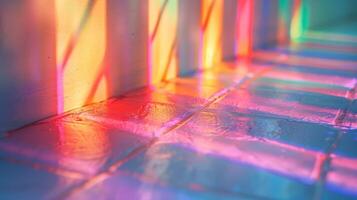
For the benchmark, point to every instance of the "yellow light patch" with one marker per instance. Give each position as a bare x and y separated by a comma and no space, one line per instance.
81,45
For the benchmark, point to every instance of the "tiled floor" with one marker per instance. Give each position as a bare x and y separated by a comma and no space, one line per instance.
280,126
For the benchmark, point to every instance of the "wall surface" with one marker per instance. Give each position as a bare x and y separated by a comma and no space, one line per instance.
326,12
189,36
229,48
266,16
127,52
254,24
28,90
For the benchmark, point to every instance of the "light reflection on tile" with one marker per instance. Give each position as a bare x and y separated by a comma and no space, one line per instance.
306,82
185,165
296,105
242,147
129,186
79,146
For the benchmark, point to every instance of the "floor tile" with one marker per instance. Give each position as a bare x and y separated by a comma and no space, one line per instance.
290,104
83,147
290,79
24,182
341,180
129,186
219,124
183,165
91,140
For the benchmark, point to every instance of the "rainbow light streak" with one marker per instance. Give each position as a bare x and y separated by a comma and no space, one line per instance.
261,155
341,177
245,17
163,19
283,21
324,63
81,44
212,15
299,20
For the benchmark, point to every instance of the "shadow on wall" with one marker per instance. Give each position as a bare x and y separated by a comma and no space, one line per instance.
97,59
28,60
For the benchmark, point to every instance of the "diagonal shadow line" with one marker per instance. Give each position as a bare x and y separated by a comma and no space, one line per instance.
209,13
75,36
158,21
95,85
102,72
169,59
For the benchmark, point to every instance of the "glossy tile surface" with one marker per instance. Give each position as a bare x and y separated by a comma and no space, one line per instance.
278,127
19,181
278,102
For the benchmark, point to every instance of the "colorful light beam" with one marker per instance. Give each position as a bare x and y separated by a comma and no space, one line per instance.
81,45
163,17
299,20
212,15
245,18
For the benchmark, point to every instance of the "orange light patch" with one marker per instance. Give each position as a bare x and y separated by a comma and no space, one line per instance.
163,17
212,15
81,45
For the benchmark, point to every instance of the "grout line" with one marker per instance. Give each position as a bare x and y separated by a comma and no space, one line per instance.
171,125
103,175
325,163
